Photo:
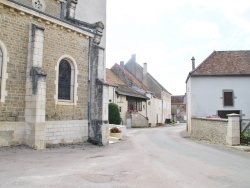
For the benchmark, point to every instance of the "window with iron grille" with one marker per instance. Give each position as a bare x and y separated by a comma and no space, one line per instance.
64,80
228,98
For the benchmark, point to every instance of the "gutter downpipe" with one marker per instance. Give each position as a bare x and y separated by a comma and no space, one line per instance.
162,103
89,84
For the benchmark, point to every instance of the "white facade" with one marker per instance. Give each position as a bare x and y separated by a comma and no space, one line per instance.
205,96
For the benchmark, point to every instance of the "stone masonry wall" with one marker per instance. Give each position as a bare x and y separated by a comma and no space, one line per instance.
138,120
70,132
212,130
53,7
12,133
57,42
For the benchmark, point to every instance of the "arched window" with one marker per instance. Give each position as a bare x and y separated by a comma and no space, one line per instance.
64,80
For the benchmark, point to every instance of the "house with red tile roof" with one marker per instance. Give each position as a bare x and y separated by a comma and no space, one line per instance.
158,106
219,86
126,98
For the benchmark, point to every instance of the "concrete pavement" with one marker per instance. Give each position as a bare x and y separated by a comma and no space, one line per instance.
154,157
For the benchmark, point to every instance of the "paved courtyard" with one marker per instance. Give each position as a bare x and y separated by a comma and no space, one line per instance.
153,157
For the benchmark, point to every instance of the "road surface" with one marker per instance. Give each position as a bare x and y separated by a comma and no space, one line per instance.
153,157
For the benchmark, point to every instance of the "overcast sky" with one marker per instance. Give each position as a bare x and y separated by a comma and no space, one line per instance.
167,33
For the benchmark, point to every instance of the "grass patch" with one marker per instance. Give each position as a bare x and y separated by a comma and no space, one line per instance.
139,126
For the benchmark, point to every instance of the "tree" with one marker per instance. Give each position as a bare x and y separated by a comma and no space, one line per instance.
114,114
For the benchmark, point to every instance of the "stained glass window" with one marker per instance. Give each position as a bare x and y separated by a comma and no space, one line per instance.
64,80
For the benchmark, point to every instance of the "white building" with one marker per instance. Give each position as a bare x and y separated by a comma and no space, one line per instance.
219,86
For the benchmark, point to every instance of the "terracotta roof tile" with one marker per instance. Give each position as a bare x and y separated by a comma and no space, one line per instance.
177,99
112,79
225,62
137,82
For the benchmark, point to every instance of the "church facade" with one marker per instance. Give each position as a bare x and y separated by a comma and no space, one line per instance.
53,86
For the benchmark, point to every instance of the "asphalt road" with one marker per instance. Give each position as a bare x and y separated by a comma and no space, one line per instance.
154,157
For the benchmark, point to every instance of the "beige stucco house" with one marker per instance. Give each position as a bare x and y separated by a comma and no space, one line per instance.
157,107
130,102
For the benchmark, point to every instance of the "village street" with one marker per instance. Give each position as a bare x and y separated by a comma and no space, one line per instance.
153,157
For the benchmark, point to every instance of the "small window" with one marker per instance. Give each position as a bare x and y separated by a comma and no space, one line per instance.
119,98
64,81
135,105
228,98
120,109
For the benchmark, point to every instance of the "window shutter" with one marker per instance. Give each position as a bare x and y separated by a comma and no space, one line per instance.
228,98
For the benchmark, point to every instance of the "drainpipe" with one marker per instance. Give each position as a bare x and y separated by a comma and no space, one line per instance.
114,95
162,103
162,111
89,84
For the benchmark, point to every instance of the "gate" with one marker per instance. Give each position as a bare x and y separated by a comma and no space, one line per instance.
245,131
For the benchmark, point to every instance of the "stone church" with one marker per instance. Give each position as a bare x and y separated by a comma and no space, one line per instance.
52,75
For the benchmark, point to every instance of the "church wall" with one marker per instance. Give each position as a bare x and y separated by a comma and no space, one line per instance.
64,123
53,7
58,42
13,133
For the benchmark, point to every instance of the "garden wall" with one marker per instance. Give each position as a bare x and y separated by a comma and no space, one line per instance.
212,130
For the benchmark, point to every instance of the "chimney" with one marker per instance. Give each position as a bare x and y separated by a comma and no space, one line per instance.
122,63
144,76
193,63
133,57
71,8
145,69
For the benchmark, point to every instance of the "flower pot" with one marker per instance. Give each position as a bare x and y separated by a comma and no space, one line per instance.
117,135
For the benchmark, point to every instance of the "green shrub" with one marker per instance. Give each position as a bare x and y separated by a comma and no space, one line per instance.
114,114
